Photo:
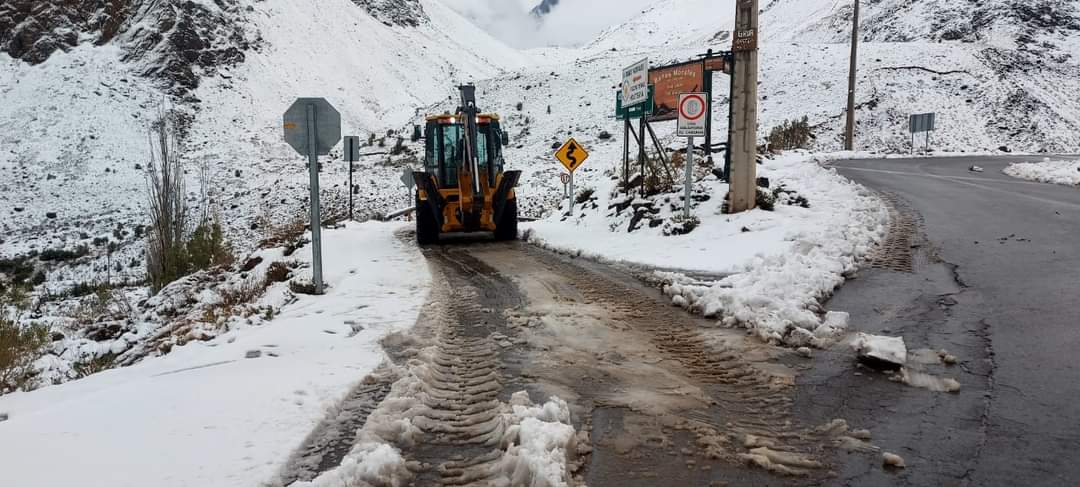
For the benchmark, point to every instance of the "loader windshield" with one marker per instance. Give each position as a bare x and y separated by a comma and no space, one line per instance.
446,151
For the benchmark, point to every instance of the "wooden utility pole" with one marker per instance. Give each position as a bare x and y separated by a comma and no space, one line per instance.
744,100
849,131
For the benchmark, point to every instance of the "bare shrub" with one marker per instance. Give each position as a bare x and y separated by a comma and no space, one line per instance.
166,258
287,232
103,303
792,134
95,365
278,272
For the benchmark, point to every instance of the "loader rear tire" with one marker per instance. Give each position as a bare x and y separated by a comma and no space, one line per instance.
427,227
506,228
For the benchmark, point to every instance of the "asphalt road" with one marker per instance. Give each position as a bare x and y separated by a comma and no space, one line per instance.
996,282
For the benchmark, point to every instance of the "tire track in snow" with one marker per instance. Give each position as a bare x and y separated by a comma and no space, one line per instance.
747,417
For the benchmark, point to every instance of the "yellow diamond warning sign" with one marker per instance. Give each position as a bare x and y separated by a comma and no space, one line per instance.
572,155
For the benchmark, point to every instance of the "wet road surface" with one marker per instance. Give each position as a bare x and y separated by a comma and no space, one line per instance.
994,279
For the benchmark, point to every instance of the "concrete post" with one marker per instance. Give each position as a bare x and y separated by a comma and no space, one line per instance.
743,148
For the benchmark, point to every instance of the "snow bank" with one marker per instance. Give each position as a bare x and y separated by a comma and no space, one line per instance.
775,267
206,415
537,441
1048,171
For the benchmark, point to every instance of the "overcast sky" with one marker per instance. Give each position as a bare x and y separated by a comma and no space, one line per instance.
573,22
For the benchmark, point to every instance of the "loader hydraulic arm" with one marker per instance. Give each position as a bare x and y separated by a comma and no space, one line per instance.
472,197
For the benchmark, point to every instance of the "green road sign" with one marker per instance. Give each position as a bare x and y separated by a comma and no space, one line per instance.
636,111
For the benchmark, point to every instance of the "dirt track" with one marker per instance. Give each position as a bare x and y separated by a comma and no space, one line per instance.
658,397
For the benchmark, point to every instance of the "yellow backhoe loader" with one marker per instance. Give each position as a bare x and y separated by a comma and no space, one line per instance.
464,187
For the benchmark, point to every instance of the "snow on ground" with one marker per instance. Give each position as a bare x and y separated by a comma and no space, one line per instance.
207,415
888,349
537,441
1048,171
778,265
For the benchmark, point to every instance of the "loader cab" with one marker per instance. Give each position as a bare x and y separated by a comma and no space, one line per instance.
444,148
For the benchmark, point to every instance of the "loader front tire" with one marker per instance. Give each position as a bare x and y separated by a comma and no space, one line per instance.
427,227
506,228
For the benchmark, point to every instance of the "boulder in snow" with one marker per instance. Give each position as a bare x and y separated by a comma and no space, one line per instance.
880,352
3,417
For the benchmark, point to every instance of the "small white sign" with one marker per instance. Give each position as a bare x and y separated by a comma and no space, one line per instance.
635,83
693,111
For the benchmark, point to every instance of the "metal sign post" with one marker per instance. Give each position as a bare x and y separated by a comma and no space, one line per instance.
352,154
565,179
572,155
692,122
313,128
316,212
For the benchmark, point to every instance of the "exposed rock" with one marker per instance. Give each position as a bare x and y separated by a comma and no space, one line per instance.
544,7
253,354
251,264
32,30
404,13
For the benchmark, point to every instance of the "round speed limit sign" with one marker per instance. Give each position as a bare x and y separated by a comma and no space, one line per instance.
565,178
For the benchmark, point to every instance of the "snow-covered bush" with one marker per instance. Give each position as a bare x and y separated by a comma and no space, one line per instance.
20,345
680,225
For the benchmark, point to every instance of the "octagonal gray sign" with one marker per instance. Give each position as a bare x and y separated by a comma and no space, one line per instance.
327,125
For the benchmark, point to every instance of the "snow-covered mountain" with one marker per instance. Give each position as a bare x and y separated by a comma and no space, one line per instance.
80,81
1000,74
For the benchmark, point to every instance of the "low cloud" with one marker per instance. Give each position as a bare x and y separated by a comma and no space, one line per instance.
572,23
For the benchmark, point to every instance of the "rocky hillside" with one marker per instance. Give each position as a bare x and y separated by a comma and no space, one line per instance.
175,42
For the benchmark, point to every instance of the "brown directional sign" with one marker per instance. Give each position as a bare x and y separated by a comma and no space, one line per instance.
672,81
572,155
744,40
716,64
